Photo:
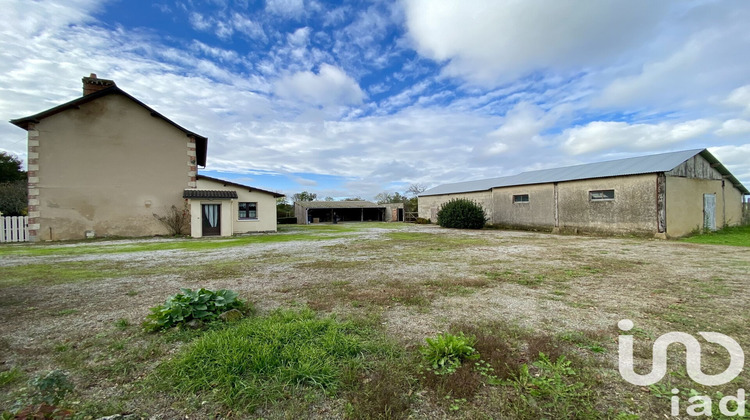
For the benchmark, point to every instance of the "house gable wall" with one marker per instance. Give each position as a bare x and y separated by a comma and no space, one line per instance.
108,167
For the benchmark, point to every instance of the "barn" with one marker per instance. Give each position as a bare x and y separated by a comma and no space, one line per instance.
665,195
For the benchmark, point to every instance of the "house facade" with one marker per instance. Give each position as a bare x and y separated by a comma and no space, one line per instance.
106,164
665,195
219,207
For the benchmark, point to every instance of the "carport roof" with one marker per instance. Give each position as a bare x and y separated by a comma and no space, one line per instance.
662,162
338,204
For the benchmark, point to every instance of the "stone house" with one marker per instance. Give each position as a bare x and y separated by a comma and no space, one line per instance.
105,164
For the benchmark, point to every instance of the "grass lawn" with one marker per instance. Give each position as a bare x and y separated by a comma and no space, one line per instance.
735,236
521,325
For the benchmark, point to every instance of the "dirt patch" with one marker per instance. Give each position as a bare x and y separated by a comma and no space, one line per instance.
419,280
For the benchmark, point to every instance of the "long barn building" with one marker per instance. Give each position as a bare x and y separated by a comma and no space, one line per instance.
667,195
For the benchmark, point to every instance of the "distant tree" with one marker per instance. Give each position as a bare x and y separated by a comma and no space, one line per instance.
354,199
410,204
329,198
11,168
416,189
384,198
13,187
13,198
283,208
305,196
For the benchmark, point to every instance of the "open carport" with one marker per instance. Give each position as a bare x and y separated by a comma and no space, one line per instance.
308,212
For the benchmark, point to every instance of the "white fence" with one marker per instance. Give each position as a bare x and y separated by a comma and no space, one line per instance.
14,229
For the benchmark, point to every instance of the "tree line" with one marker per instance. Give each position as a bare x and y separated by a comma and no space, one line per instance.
13,186
409,198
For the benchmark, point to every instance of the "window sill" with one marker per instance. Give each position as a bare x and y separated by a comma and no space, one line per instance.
248,220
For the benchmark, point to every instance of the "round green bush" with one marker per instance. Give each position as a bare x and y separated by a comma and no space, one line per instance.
460,213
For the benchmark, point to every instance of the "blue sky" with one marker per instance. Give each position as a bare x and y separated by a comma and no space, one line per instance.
355,98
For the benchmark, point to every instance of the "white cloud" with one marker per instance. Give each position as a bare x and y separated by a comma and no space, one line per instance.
734,127
735,158
688,69
740,97
487,41
331,86
287,8
601,136
299,37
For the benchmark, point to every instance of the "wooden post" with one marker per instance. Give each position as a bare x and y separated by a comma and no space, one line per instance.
661,202
557,213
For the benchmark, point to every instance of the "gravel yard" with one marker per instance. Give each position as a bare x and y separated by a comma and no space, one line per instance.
417,280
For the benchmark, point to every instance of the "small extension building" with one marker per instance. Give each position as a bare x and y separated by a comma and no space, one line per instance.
225,208
308,212
667,195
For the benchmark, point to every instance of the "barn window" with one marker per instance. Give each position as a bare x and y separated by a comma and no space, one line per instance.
521,198
248,211
601,195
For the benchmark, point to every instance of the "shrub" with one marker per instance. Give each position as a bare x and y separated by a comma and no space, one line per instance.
203,305
177,221
445,352
461,213
287,220
423,221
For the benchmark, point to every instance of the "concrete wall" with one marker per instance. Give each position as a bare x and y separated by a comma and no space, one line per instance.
685,204
266,221
632,211
106,167
538,212
428,206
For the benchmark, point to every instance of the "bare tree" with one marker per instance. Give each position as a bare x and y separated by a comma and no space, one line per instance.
416,189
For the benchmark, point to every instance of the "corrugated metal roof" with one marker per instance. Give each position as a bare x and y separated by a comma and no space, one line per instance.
337,204
210,194
662,162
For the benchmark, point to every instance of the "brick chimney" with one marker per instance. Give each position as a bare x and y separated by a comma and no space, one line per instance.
91,84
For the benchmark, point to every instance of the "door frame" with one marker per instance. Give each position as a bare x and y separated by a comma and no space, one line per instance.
206,229
709,212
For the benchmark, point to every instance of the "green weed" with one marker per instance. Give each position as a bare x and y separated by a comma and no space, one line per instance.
261,360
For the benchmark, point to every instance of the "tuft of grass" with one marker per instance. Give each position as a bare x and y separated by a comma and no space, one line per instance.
9,377
261,360
731,235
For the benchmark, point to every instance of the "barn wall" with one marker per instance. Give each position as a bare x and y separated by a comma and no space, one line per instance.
634,209
538,212
428,206
685,204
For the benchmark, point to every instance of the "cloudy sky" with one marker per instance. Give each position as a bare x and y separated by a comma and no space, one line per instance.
355,98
